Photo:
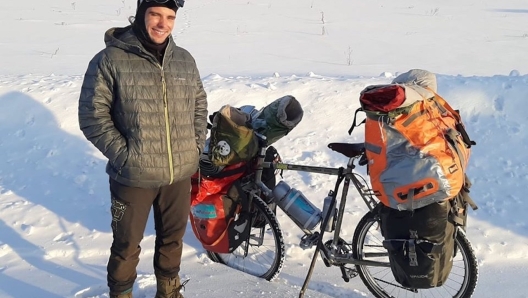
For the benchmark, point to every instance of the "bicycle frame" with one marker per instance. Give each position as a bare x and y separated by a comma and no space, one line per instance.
345,175
331,253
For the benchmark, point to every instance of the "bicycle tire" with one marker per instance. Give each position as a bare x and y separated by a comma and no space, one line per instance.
265,260
380,281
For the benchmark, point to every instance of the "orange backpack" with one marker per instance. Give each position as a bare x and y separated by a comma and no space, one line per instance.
416,145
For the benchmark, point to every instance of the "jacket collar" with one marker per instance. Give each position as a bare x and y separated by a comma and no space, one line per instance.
126,39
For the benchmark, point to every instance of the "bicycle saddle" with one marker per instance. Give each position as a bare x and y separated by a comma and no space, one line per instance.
348,150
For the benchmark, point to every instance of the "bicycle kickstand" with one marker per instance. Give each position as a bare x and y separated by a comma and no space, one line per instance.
312,265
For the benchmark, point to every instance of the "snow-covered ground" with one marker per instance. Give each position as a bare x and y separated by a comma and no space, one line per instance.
54,201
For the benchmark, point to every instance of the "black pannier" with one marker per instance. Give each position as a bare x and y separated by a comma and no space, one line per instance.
421,244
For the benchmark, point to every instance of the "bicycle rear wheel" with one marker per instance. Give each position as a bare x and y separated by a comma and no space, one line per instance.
262,255
367,245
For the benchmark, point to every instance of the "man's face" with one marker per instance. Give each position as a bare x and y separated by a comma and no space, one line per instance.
159,22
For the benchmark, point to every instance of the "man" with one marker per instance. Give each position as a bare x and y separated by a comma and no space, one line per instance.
143,105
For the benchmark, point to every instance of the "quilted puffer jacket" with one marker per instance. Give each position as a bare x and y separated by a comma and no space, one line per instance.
149,120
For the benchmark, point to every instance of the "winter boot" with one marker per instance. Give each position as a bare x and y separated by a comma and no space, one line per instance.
169,287
125,294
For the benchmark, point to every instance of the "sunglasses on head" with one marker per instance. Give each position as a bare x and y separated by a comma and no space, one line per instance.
179,3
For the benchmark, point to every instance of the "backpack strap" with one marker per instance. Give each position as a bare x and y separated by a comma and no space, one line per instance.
465,193
229,172
465,137
441,103
211,119
240,224
458,212
451,136
354,125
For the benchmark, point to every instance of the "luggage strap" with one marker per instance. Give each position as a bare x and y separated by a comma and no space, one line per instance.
413,258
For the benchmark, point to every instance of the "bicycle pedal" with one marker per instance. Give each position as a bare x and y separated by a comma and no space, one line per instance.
348,273
309,240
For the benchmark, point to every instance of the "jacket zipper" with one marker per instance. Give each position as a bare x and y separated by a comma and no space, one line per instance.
167,126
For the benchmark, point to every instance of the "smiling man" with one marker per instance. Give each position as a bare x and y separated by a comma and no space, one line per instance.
142,104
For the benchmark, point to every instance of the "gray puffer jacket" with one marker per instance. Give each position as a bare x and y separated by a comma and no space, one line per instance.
148,120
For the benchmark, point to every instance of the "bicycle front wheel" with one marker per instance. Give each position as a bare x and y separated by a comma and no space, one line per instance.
367,244
262,254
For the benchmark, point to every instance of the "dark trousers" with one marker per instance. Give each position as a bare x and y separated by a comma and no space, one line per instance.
130,211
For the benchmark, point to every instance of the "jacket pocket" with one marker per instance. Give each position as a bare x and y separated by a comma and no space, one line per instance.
125,161
131,167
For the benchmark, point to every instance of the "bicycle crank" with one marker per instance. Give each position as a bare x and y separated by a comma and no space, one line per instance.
341,249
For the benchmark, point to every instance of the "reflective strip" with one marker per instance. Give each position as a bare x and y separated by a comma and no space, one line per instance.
413,117
281,166
292,200
373,148
315,217
442,109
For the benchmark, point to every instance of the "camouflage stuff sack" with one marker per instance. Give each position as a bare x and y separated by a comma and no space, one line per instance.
278,118
232,138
